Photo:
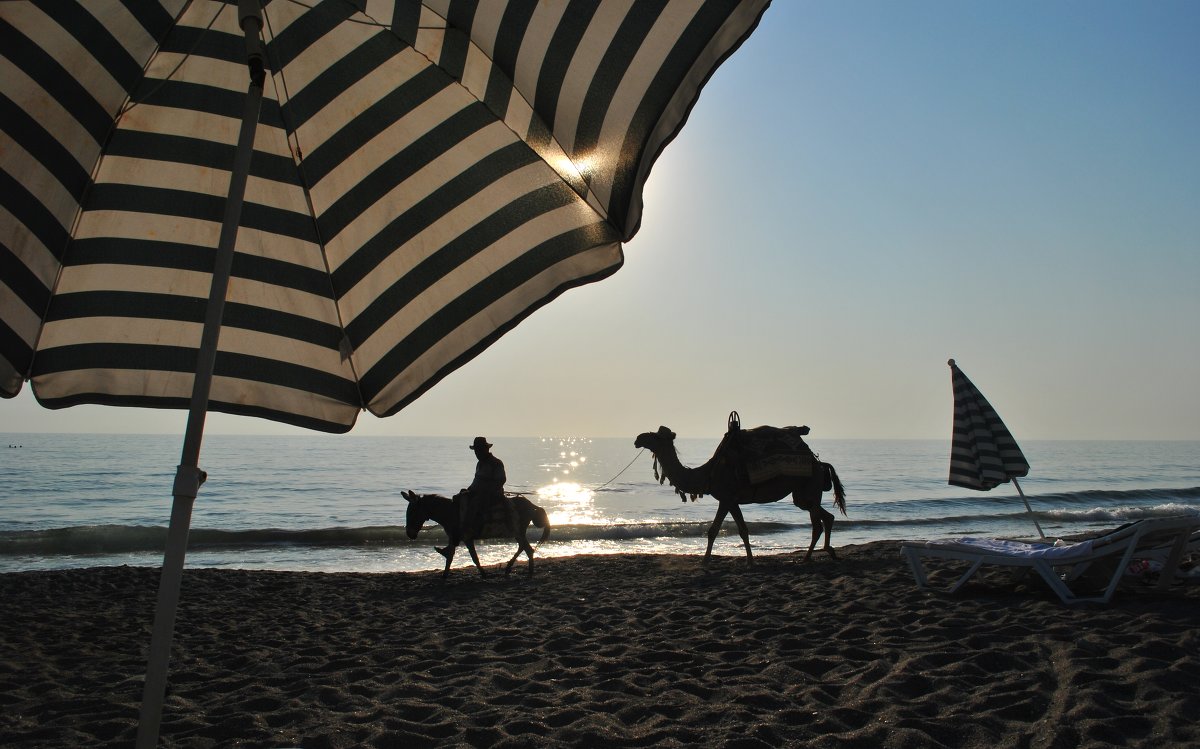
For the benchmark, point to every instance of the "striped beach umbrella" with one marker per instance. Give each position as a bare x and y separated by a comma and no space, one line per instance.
983,453
423,177
308,209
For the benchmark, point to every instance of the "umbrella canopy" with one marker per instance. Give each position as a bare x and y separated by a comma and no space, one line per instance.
983,454
398,185
424,176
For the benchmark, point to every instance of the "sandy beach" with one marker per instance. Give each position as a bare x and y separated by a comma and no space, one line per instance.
628,650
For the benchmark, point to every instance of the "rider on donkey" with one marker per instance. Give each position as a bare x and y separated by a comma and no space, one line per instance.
485,492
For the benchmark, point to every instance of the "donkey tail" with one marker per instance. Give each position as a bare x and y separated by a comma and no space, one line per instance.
839,493
541,520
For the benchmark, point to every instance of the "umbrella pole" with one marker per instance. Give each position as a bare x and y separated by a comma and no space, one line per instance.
1028,508
188,476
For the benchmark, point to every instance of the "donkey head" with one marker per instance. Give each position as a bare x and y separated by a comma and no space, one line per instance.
416,515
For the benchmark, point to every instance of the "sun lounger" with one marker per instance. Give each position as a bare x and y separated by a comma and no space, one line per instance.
1066,568
1162,557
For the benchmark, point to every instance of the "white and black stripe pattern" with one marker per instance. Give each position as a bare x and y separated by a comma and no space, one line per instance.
983,454
425,176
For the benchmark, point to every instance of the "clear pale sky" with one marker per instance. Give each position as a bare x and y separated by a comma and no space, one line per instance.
863,191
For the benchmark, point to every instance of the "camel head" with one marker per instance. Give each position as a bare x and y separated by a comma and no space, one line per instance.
662,445
655,441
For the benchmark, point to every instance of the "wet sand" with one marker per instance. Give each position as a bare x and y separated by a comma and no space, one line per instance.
615,651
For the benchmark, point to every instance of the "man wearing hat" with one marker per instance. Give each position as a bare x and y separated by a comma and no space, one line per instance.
487,487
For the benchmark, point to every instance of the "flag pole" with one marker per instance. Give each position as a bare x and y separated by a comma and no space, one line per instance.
1027,507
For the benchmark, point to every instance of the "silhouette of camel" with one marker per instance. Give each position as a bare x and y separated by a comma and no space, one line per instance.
725,480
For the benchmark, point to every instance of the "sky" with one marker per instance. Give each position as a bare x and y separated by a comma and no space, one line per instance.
863,191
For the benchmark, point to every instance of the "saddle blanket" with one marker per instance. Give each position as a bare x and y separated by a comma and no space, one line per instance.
771,452
494,514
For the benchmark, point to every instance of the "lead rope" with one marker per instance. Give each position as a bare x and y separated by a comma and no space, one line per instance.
623,470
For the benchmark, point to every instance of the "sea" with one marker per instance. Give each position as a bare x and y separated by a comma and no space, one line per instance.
332,503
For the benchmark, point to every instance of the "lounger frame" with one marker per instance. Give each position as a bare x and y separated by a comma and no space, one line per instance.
1159,538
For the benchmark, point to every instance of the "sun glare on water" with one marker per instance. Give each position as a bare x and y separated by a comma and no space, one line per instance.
567,503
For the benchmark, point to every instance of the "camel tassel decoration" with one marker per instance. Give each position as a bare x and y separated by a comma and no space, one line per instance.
661,479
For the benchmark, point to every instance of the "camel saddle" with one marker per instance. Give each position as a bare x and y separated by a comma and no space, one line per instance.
767,453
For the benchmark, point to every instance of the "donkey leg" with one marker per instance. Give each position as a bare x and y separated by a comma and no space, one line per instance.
508,567
522,546
736,512
453,539
528,550
448,551
519,538
714,529
475,557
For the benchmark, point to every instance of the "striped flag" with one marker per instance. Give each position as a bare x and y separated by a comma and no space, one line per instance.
424,177
983,454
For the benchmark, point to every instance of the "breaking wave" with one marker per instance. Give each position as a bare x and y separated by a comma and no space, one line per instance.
121,539
889,519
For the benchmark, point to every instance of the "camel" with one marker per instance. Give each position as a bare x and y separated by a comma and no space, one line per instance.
721,478
445,512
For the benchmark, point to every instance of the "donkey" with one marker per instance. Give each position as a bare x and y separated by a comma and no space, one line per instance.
498,523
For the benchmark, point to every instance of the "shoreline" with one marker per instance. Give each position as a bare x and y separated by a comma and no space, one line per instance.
628,650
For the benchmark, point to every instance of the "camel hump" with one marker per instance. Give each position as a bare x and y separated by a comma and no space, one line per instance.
771,452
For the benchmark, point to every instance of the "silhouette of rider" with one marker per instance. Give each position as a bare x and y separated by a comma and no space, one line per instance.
486,489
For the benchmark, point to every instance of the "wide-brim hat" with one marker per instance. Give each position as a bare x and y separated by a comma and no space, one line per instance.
480,442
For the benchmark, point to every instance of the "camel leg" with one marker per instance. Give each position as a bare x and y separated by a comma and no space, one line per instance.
827,521
736,512
714,529
475,557
815,519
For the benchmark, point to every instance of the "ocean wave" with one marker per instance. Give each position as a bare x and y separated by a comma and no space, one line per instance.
1186,495
881,519
1119,514
121,539
1131,496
